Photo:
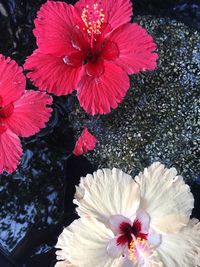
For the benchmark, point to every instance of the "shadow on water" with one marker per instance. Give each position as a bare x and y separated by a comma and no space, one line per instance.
33,197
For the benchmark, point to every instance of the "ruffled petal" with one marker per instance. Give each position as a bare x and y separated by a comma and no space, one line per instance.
165,197
52,74
10,151
98,94
182,249
64,264
117,12
63,244
53,28
107,193
136,48
12,81
30,113
85,244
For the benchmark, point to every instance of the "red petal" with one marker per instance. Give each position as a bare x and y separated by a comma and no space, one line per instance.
84,143
30,113
110,50
74,59
117,12
98,94
54,25
79,39
3,128
136,48
10,151
12,81
52,74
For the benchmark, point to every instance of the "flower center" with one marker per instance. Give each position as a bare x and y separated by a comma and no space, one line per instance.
6,111
93,18
92,56
128,232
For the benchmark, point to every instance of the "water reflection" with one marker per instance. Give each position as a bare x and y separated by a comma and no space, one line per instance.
35,192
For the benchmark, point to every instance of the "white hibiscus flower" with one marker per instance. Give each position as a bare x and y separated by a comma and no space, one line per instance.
127,223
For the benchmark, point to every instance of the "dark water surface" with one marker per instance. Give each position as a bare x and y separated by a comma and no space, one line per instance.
33,197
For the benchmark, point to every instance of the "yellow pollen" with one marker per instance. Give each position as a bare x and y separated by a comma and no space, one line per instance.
143,247
132,253
93,18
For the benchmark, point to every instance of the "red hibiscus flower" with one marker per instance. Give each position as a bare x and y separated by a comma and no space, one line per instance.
22,113
90,48
84,143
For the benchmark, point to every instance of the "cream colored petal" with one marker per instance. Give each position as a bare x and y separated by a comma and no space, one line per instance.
154,239
106,193
153,261
64,264
125,262
165,197
144,219
62,244
87,246
114,250
182,249
115,221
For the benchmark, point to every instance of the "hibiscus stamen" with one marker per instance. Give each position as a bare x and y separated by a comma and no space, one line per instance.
132,253
93,18
139,249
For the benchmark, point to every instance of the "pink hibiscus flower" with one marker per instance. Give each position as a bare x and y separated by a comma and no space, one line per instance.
22,113
84,143
90,48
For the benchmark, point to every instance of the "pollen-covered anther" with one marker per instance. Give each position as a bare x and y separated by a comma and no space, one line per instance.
139,248
132,253
93,18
